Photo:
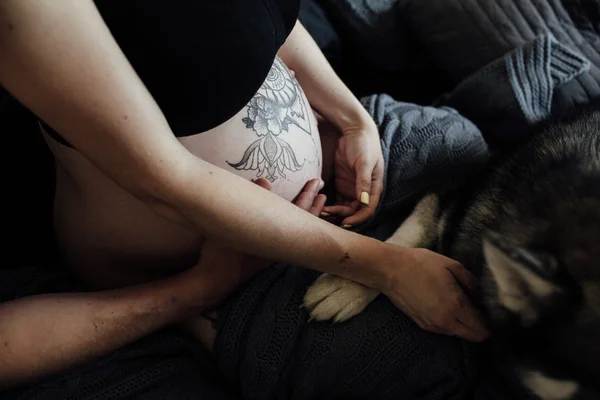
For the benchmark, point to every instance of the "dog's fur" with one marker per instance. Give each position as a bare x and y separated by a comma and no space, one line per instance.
529,227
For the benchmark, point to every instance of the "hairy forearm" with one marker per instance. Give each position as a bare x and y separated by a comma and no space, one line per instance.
45,334
324,89
60,60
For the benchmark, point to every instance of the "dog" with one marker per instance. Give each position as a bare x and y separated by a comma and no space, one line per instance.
528,226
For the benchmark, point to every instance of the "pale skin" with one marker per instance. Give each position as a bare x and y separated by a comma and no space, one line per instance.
60,61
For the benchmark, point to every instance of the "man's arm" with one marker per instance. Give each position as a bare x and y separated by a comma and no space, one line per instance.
45,334
49,333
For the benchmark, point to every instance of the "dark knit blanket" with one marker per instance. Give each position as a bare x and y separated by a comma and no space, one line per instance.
266,345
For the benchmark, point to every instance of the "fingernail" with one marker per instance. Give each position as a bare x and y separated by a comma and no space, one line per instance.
364,198
321,184
324,214
346,226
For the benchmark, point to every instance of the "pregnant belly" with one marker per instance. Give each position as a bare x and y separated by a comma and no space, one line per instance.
113,239
274,137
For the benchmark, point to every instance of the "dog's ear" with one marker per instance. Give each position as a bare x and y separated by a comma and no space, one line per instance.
523,278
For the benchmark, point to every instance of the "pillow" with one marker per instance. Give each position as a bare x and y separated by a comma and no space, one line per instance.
462,36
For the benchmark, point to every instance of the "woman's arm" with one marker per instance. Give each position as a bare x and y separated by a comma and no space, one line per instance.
358,159
324,89
59,60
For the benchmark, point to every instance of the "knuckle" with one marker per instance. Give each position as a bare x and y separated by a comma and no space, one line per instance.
364,182
437,323
443,322
308,197
453,266
460,301
303,206
428,326
362,163
455,302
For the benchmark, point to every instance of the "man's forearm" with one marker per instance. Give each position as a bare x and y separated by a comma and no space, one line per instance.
324,89
45,334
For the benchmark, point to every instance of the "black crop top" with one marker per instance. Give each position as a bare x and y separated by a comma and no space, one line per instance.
202,60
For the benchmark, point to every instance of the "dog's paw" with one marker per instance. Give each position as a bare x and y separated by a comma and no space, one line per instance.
333,297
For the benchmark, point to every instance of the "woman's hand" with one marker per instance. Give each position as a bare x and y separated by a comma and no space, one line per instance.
432,290
358,172
358,160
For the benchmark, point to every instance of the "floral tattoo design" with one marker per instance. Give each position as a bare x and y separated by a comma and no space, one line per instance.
277,104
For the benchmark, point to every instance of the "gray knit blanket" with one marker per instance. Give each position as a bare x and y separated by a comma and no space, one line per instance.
458,38
516,91
267,348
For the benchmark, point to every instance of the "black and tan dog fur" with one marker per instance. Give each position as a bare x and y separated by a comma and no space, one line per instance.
529,227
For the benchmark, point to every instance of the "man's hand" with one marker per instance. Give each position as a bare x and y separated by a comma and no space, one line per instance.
225,269
220,270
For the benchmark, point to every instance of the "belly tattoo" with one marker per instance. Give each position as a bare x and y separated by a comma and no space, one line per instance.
278,104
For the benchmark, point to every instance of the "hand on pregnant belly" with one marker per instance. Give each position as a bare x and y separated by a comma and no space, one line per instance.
358,174
274,137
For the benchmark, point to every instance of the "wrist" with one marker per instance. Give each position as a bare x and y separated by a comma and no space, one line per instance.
344,111
370,270
381,263
179,297
350,118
